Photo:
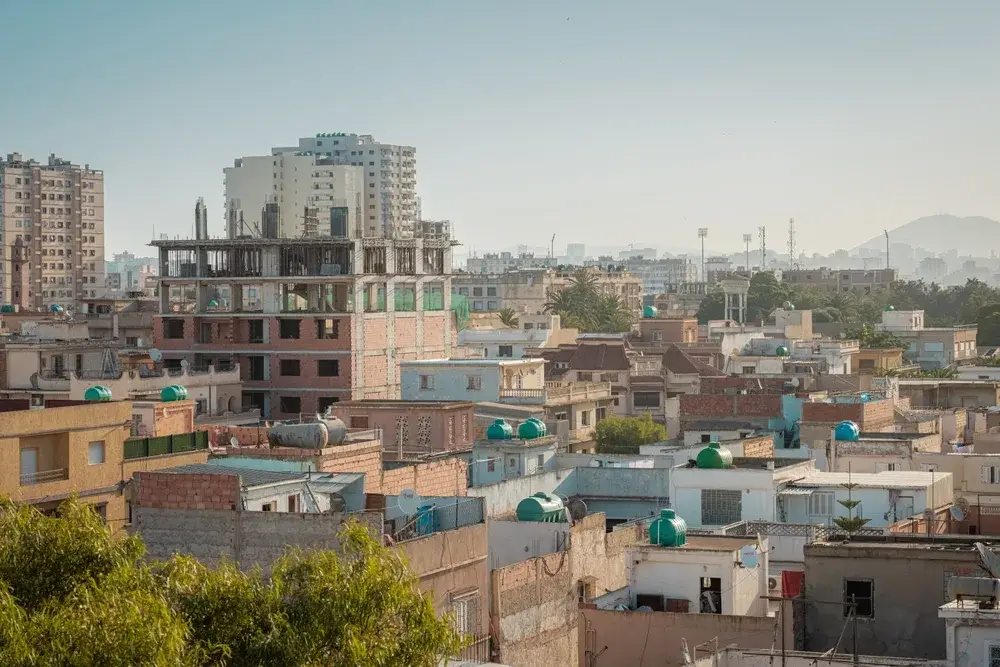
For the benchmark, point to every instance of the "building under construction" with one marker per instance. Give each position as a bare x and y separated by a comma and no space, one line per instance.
311,321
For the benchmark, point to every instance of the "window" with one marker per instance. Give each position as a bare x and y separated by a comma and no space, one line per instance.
585,418
426,382
293,503
95,453
257,372
256,331
291,404
721,507
646,399
491,465
173,328
328,368
505,351
881,466
821,504
657,335
491,291
327,329
289,366
706,437
288,328
102,511
325,402
466,611
859,592
267,507
992,654
585,589
540,462
991,474
749,370
602,413
360,421
475,383
477,291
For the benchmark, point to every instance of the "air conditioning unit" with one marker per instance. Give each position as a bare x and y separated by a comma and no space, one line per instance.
773,584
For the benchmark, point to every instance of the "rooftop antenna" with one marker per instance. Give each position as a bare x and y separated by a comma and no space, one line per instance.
762,233
886,248
791,243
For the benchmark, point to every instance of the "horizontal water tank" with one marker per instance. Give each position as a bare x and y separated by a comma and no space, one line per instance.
303,436
500,430
847,430
669,530
542,506
336,430
174,392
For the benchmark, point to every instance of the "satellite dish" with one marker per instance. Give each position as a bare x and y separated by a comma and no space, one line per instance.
155,354
956,513
577,509
337,502
594,463
234,441
795,382
408,501
748,556
184,363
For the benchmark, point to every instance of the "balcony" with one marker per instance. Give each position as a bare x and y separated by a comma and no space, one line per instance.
557,393
44,476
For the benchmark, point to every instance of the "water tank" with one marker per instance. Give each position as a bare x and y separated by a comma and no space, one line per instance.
213,304
303,436
6,308
56,308
541,425
174,392
336,430
649,312
847,430
865,397
889,308
781,351
500,430
715,456
788,305
529,430
541,507
669,530
97,394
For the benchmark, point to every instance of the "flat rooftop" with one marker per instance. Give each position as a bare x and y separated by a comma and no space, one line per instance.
477,363
391,403
890,479
747,463
707,543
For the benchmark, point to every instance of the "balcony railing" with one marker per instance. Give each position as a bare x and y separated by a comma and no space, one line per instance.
43,476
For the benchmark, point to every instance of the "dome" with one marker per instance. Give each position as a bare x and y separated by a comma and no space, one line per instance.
714,456
500,430
649,312
847,430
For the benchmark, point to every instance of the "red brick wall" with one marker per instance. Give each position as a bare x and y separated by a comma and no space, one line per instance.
164,490
406,331
877,414
720,405
440,478
831,412
718,385
434,329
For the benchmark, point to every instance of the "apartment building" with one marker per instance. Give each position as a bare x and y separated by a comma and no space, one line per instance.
340,185
52,219
842,280
310,322
930,347
527,290
493,262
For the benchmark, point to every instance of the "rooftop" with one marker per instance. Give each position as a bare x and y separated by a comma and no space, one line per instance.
248,476
706,543
744,463
890,479
676,361
470,362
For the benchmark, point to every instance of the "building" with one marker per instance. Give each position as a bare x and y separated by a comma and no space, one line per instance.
353,185
529,332
52,217
947,393
681,330
841,280
930,347
879,452
527,290
497,460
495,263
410,429
876,361
127,320
473,380
660,276
83,449
309,321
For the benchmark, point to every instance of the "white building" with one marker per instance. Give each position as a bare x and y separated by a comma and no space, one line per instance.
477,380
532,331
660,276
493,263
358,186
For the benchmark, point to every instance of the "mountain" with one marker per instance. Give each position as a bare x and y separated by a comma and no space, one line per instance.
969,236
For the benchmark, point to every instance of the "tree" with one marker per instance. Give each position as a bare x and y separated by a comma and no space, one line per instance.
624,435
764,296
870,339
712,307
106,606
508,317
851,523
580,305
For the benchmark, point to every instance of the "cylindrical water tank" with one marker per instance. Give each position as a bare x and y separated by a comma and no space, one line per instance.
336,430
303,436
541,424
94,394
6,308
529,430
649,312
714,456
174,392
669,530
541,507
500,430
781,351
847,430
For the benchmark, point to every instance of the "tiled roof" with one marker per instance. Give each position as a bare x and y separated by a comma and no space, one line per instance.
676,361
601,357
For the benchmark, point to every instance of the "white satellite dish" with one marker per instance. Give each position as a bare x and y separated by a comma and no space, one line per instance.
234,441
956,513
408,501
184,363
795,382
155,354
594,463
748,556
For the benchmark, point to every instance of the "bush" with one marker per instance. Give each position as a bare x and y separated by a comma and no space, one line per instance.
624,435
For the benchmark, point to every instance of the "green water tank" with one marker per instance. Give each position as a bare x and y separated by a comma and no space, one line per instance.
669,530
649,312
529,430
6,308
500,430
889,308
715,456
174,392
541,424
213,304
781,351
97,394
542,507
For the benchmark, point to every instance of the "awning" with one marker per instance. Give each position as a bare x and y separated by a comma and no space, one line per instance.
795,492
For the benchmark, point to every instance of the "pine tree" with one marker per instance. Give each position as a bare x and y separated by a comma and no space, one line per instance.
851,523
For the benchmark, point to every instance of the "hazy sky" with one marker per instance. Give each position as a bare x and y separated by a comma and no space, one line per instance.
600,122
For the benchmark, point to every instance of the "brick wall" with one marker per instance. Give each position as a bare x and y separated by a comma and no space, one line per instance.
165,490
761,447
173,418
434,330
376,335
720,405
406,331
877,414
440,478
718,385
831,413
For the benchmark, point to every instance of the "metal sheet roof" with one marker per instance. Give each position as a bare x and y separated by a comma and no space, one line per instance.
248,476
795,492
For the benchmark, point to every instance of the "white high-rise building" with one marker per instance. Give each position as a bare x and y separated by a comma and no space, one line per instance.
372,185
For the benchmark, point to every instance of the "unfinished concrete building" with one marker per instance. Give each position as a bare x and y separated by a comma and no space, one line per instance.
309,321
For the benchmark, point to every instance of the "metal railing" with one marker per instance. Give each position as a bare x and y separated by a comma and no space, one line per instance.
43,476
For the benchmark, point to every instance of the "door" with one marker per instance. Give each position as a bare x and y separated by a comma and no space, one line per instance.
904,507
29,465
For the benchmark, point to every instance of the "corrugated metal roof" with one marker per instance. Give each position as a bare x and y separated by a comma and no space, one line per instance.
248,476
795,492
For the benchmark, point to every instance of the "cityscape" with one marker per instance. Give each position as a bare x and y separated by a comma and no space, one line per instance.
370,401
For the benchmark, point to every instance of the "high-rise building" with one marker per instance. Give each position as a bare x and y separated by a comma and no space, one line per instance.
52,223
371,183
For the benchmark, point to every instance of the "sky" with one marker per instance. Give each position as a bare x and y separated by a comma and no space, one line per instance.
605,123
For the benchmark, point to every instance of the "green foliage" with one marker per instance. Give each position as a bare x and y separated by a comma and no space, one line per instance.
582,306
508,317
870,339
851,523
73,595
624,435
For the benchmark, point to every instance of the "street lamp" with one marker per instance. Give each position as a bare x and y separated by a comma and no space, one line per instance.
702,233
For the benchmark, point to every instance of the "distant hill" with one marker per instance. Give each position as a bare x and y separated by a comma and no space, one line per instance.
941,233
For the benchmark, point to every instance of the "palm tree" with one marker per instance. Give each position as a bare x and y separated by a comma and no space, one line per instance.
583,282
611,315
560,302
508,317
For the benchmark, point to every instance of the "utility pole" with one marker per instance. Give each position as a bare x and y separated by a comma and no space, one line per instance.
747,238
762,233
886,248
702,233
791,243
